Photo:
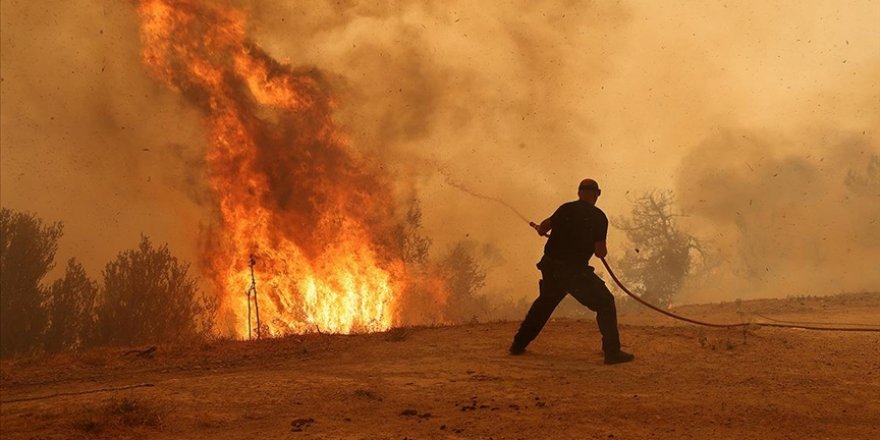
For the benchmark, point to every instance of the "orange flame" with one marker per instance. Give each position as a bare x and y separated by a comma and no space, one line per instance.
288,188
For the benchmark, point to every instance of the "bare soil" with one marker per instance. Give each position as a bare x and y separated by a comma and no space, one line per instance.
460,383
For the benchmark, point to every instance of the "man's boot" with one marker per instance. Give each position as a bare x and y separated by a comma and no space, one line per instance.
618,357
516,349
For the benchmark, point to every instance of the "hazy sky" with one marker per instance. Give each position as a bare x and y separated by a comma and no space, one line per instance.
762,116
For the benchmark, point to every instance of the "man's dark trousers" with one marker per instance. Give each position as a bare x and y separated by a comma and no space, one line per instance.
586,287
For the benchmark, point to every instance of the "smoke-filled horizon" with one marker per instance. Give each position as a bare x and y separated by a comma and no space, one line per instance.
763,118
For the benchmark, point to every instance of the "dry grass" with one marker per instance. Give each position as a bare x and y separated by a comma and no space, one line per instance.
397,334
687,382
120,415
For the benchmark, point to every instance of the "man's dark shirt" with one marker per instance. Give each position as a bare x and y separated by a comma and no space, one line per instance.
576,227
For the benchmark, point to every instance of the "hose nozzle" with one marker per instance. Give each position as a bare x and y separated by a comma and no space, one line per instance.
535,226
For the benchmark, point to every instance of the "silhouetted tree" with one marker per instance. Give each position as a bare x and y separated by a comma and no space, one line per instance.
415,246
444,290
464,279
71,307
27,254
865,181
662,256
149,296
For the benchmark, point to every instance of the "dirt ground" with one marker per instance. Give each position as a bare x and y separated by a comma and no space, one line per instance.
460,383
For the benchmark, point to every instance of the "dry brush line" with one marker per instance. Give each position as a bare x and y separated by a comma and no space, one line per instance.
77,393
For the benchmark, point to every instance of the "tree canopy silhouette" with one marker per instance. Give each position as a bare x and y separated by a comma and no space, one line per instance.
27,254
149,296
71,307
662,254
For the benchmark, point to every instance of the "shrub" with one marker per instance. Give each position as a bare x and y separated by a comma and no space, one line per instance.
150,297
662,254
71,308
27,254
464,278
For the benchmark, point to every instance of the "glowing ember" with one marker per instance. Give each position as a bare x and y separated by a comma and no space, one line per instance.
288,188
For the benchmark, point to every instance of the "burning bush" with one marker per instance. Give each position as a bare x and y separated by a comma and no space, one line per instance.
313,229
324,224
288,188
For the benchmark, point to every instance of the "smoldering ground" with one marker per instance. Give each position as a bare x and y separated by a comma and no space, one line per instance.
518,101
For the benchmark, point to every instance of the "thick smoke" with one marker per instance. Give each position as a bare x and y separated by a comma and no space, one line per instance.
521,101
89,139
494,97
517,100
783,222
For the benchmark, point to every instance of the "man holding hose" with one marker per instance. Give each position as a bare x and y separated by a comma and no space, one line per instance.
579,230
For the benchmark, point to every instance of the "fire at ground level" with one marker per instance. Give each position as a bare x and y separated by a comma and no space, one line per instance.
458,382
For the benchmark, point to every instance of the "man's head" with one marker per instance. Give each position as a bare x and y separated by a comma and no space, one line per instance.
589,191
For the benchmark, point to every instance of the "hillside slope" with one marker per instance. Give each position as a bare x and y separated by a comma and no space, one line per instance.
459,382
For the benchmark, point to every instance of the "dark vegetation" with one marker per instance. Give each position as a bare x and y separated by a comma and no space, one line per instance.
458,272
145,295
661,255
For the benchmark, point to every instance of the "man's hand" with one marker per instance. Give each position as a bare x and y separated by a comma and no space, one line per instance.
537,228
543,228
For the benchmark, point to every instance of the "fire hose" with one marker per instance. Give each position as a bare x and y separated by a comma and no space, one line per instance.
860,328
831,326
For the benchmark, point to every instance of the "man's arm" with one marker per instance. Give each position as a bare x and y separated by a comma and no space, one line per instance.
545,226
601,249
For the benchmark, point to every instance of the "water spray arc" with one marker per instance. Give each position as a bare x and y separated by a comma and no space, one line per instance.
461,187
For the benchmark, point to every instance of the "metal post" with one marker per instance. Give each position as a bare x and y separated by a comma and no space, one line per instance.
251,263
248,293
